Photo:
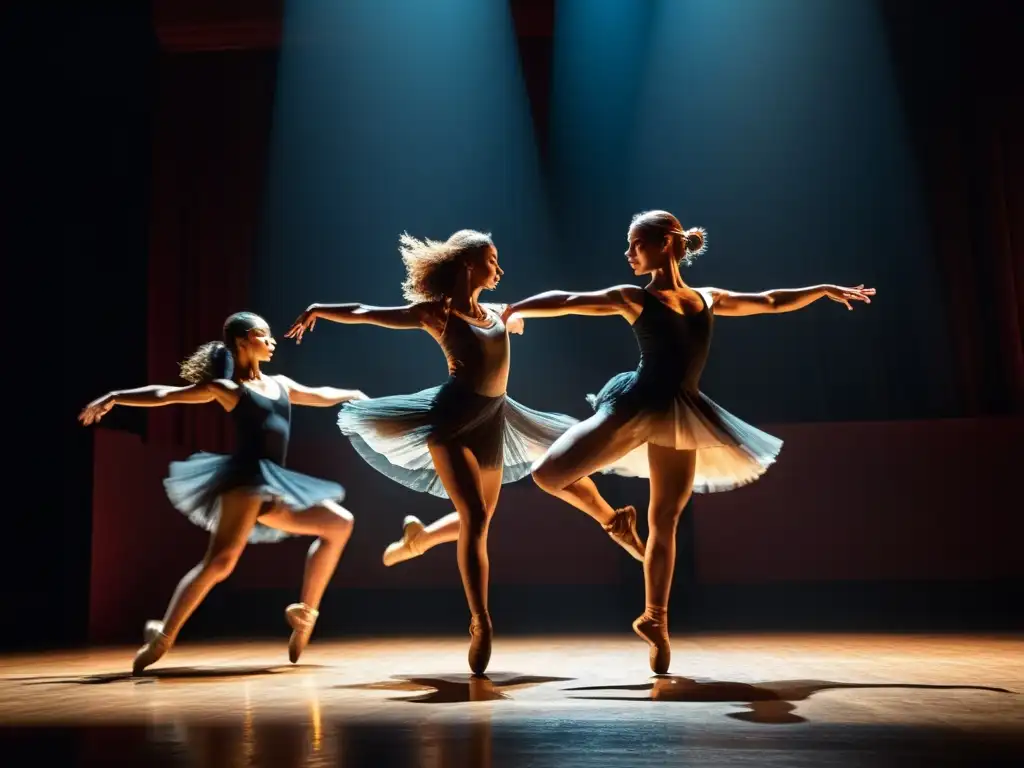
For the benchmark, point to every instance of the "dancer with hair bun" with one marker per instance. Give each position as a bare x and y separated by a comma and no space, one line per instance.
249,496
655,422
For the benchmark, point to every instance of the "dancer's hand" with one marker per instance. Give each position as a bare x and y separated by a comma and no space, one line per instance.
304,322
845,295
515,324
96,410
507,312
354,395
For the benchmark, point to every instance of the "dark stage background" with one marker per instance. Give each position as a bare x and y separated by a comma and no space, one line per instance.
199,177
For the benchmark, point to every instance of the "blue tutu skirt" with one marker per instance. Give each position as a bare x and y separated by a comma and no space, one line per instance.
393,434
195,487
730,452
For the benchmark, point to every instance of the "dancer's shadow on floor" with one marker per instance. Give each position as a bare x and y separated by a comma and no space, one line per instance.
453,689
176,674
768,703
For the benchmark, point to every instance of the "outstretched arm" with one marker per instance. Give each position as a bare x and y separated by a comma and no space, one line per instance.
154,396
409,317
318,397
732,304
625,300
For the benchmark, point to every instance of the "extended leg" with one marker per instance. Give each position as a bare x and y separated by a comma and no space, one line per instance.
238,514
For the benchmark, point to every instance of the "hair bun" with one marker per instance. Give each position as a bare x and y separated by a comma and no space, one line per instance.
696,241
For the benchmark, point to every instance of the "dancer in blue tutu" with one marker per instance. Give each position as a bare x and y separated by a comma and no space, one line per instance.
655,422
248,496
465,438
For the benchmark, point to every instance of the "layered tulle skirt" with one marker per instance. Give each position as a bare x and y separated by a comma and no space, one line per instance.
195,487
730,452
393,434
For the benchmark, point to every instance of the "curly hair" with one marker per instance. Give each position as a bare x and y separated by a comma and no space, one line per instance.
432,267
216,359
687,244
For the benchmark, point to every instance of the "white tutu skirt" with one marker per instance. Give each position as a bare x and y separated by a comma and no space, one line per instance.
393,434
195,487
730,452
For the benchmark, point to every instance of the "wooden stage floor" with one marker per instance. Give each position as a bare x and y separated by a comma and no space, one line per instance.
750,700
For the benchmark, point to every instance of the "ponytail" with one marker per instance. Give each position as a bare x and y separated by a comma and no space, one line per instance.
211,361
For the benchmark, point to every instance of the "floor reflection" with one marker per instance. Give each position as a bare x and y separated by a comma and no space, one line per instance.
309,743
250,740
236,706
626,741
297,745
291,744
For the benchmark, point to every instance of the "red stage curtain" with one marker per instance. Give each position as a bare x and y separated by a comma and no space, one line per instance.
965,109
212,128
982,205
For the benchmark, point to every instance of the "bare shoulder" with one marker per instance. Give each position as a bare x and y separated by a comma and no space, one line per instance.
290,386
284,382
494,307
627,293
432,315
712,295
221,385
224,391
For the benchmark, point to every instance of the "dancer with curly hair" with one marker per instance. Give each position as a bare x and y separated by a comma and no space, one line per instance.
249,496
464,438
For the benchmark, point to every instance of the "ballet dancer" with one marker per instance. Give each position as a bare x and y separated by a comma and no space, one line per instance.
654,422
248,496
464,438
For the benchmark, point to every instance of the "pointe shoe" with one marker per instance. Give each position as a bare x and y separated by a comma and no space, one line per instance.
301,618
405,548
156,645
656,635
622,529
480,635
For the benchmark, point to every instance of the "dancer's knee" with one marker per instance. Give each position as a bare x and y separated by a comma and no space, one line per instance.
337,522
547,478
474,519
663,518
220,565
